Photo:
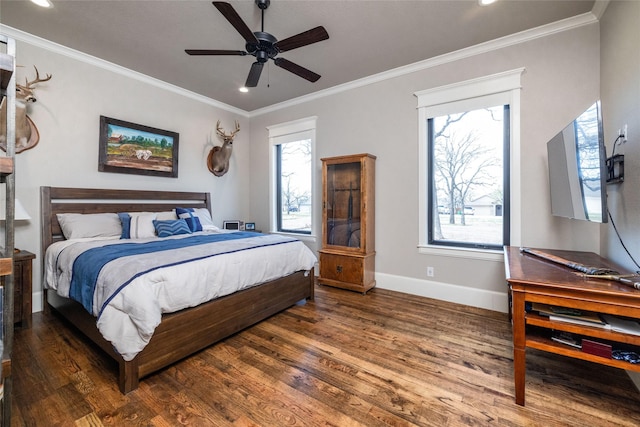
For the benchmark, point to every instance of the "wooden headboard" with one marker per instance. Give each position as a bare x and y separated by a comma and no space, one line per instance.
55,200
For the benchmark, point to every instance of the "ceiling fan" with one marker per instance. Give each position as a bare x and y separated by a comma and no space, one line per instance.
263,46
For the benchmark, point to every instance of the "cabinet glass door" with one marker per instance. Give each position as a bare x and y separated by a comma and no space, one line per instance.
344,204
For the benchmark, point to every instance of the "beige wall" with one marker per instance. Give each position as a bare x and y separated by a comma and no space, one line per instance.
620,90
67,115
560,81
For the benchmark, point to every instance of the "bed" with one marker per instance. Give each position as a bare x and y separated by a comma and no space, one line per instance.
178,334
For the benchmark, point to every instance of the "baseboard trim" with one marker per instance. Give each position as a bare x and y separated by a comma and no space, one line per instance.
36,302
481,298
490,300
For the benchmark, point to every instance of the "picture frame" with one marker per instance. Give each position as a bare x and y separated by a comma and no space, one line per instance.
126,147
250,226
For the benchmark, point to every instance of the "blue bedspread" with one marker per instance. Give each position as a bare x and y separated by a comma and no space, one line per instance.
88,265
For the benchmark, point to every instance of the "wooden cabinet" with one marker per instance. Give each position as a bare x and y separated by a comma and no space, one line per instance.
22,287
535,280
347,257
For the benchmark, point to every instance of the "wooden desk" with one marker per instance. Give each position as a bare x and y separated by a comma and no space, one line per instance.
532,279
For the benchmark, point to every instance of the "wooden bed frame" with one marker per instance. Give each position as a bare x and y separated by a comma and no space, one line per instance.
179,334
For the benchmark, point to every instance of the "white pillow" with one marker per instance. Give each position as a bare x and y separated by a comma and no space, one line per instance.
205,219
78,226
141,226
166,215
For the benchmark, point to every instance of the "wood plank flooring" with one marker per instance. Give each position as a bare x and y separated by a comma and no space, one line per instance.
382,359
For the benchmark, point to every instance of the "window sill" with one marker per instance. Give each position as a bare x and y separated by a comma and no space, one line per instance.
309,238
468,253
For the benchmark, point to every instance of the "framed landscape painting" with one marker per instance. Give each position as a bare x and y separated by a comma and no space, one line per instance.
131,148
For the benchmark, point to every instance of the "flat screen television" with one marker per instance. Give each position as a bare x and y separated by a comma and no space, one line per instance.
577,168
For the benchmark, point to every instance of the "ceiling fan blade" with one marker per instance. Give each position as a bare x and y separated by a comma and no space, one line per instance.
215,52
313,35
254,74
234,19
297,69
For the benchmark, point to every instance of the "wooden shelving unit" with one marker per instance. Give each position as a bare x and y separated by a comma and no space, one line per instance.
7,179
347,257
536,280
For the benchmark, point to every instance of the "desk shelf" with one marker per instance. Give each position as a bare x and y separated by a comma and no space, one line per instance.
546,344
535,280
591,331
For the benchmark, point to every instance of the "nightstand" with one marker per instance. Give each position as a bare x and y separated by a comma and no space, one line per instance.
22,274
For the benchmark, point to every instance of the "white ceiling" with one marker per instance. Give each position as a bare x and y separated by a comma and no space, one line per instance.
366,37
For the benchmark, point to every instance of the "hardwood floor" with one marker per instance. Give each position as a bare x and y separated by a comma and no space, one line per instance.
345,359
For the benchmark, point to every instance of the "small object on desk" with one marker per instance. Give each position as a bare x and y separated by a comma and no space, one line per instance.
250,226
619,324
596,348
566,338
588,270
627,356
570,315
622,278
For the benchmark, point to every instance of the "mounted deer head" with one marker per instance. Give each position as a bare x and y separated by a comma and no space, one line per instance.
27,135
218,158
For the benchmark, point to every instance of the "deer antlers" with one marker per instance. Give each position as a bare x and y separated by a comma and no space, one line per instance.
227,137
25,92
37,79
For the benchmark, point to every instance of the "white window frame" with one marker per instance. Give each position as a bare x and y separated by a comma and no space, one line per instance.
501,88
280,134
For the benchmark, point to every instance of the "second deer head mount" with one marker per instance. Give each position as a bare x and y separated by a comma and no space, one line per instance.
218,158
27,135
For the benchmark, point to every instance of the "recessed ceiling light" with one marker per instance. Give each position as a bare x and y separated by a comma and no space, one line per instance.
244,89
481,2
43,3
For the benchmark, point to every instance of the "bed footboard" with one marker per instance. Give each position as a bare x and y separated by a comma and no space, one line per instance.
183,333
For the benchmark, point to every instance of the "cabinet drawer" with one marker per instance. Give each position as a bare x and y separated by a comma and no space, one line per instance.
342,268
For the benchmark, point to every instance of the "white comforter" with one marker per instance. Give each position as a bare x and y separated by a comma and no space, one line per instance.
130,316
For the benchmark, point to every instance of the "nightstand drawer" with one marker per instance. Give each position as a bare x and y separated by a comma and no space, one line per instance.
22,287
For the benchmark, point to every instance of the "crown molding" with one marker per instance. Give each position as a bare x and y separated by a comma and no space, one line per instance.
492,45
109,66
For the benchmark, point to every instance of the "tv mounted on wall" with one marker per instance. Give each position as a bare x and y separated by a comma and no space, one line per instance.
577,168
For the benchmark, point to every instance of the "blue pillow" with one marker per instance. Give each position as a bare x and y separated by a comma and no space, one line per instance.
171,227
125,220
190,217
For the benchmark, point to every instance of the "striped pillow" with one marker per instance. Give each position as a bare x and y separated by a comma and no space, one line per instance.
192,219
171,227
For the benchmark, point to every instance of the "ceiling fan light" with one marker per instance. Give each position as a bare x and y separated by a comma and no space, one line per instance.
43,3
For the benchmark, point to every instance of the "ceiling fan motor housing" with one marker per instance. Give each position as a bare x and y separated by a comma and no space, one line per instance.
263,4
265,48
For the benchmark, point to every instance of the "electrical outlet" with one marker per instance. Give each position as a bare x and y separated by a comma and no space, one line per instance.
622,134
430,272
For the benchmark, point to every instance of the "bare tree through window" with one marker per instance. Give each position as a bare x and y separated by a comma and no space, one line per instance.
467,176
294,186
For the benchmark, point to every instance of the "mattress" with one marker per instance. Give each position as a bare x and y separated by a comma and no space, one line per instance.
127,284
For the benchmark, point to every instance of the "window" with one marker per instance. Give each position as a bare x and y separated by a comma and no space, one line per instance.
292,176
468,164
468,138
